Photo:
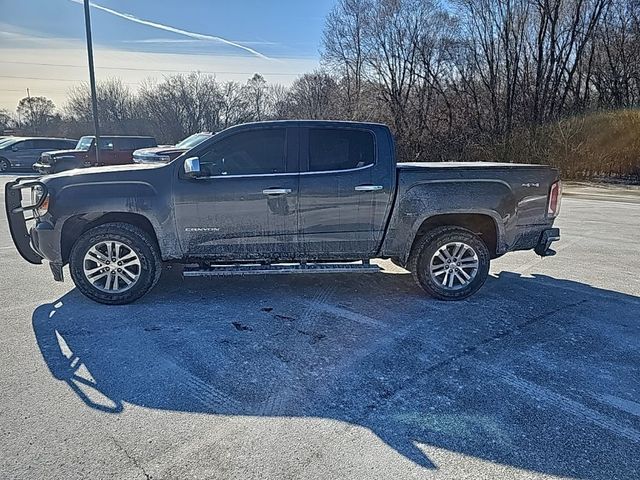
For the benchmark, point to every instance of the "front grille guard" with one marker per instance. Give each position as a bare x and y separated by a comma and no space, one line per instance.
20,184
16,215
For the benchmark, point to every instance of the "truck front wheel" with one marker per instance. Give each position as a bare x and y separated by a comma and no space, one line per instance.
450,263
115,263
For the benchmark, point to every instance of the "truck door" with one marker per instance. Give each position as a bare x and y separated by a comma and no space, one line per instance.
108,152
345,189
247,204
123,148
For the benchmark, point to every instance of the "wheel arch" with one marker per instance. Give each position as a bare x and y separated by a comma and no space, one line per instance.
77,225
482,224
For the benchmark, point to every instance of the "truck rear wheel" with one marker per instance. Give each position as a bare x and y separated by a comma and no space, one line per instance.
115,263
450,263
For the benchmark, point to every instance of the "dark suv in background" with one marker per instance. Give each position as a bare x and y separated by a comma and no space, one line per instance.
23,152
114,150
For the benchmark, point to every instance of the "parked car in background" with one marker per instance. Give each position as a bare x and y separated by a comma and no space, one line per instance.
114,150
166,153
23,152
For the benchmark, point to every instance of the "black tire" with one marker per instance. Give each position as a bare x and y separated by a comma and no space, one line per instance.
427,247
133,238
4,165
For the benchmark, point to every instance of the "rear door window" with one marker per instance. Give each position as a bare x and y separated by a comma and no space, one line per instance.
62,144
125,144
144,142
43,144
340,149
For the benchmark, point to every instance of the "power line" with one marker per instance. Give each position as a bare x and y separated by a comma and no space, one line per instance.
52,79
135,69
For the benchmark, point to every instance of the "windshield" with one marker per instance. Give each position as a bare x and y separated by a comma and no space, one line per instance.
84,143
5,142
193,140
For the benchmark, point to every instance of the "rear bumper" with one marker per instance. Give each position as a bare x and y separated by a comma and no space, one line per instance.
543,248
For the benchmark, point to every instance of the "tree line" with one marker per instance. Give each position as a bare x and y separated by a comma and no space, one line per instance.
505,80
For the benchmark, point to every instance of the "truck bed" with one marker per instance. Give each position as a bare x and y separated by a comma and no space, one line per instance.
514,195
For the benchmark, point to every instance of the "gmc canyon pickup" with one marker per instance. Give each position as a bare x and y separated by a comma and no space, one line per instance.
283,197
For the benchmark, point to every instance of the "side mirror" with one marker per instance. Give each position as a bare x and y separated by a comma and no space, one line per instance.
14,149
192,167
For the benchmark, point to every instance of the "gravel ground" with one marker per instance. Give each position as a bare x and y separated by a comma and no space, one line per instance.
334,376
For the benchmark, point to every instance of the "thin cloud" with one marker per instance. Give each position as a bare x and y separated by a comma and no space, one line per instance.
164,40
198,36
189,40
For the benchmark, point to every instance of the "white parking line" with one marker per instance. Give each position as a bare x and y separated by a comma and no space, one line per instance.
620,403
563,403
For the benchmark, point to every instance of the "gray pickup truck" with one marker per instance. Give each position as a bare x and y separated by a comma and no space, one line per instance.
283,197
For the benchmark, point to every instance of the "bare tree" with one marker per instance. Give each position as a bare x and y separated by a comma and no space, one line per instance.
6,122
256,91
345,50
278,96
616,76
35,113
564,30
181,105
116,103
235,105
313,96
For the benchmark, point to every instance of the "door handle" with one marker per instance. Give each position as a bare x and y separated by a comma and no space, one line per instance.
368,188
276,191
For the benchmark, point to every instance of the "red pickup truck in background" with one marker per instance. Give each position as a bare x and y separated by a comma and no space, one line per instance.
114,150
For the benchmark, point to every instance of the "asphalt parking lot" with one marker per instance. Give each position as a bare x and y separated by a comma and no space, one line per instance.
334,376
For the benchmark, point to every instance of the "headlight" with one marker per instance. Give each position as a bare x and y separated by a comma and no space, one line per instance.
37,193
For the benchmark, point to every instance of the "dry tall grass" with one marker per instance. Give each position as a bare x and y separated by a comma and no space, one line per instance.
604,144
590,146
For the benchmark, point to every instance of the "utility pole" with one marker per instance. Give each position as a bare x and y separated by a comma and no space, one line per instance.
92,79
35,125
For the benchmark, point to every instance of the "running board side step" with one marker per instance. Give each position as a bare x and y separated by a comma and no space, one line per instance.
228,270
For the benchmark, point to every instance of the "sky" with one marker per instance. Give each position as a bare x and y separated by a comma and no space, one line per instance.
42,42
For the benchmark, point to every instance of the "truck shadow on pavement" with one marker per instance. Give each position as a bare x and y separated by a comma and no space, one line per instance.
535,373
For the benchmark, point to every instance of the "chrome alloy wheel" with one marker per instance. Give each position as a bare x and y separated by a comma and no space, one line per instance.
454,266
111,266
